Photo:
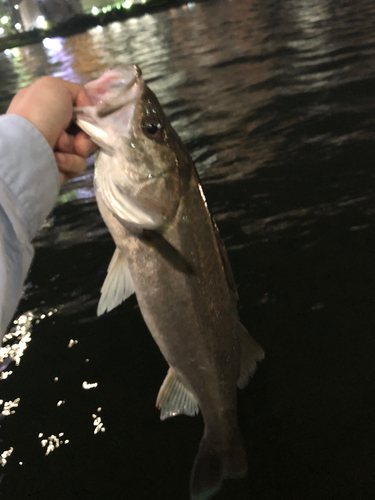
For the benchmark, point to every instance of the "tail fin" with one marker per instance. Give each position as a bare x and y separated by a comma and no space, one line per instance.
212,466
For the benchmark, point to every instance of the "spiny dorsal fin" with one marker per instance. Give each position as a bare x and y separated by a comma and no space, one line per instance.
174,399
251,354
226,264
118,284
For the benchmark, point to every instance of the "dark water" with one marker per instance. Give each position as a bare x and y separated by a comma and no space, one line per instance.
276,103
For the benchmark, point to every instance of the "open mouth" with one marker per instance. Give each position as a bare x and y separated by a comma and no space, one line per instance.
127,91
114,97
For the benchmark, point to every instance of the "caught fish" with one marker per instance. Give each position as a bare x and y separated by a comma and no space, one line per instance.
169,252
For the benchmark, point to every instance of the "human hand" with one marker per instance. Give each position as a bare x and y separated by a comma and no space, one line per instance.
48,105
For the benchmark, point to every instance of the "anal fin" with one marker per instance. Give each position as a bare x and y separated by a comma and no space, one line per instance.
251,354
118,284
174,399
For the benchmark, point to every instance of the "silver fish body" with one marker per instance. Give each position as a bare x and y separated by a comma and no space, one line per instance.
170,253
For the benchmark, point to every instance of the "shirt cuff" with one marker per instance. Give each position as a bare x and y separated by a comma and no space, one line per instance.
30,172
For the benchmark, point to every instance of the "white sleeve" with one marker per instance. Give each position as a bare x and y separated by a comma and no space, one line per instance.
29,185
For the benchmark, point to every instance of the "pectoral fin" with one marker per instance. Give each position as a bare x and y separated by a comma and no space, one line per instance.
251,354
118,284
174,399
166,250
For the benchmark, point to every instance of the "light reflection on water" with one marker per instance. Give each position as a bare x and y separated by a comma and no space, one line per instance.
16,340
98,424
53,442
4,457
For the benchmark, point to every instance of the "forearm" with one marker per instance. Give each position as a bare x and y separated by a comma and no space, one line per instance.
29,186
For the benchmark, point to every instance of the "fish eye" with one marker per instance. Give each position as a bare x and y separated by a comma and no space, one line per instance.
152,129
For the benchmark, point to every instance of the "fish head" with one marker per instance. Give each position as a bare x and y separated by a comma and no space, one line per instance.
140,170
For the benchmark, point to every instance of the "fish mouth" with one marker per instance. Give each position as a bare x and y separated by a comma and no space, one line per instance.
126,95
114,97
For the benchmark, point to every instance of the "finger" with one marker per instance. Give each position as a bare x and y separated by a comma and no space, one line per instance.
65,143
69,165
63,178
78,94
83,145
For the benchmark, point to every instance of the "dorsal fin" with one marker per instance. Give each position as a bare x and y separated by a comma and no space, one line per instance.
251,354
224,257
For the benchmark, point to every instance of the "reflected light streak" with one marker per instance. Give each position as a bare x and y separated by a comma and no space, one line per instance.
54,44
41,22
6,454
202,194
15,52
4,375
86,385
115,27
98,424
310,18
8,407
16,341
97,29
53,442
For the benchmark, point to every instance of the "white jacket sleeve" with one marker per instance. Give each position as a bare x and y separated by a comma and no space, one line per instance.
29,185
